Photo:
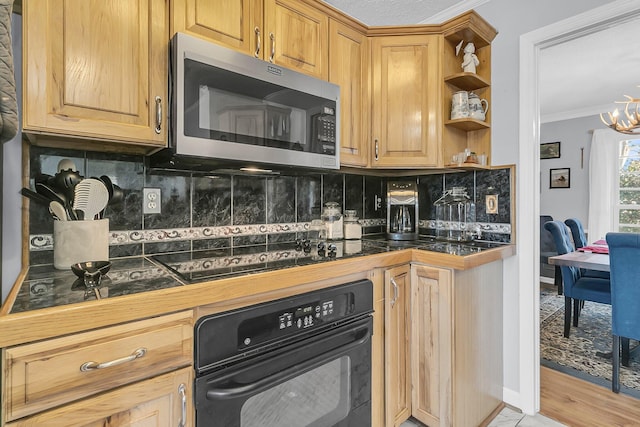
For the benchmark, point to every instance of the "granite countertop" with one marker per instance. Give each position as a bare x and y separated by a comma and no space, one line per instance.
46,287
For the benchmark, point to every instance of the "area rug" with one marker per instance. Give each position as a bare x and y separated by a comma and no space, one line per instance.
587,352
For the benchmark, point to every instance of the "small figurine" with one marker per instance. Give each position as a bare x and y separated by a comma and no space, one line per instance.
469,60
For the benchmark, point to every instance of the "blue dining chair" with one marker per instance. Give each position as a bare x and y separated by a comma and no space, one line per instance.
580,241
548,249
576,286
624,256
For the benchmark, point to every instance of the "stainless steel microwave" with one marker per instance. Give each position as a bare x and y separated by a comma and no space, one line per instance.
228,107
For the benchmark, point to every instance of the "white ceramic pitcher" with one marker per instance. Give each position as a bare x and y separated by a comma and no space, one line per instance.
477,107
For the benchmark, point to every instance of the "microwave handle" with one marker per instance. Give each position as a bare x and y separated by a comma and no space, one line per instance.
257,52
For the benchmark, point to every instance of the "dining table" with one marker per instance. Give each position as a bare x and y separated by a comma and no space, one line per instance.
580,259
600,262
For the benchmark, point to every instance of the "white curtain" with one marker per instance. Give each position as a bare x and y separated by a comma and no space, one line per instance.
603,182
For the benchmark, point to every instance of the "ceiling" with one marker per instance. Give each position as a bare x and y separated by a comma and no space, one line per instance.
578,77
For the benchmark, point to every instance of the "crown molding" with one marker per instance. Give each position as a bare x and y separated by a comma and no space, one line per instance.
453,11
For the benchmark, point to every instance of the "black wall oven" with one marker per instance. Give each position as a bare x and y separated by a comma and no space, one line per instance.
299,361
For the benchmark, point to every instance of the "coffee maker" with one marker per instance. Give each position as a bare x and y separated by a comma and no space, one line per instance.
402,210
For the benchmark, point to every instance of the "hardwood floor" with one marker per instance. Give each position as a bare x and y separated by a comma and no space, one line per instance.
579,403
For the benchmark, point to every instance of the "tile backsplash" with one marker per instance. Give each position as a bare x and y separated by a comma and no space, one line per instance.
200,211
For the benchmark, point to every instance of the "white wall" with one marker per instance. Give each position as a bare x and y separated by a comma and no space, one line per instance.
574,135
513,18
12,179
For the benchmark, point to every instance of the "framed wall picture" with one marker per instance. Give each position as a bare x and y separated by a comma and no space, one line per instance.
559,178
550,150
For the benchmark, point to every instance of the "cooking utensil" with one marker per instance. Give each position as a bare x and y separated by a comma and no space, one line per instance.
91,197
58,211
107,183
118,195
36,197
65,182
53,195
50,194
66,165
43,178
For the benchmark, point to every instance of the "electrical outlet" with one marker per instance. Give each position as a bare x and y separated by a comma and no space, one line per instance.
150,200
491,203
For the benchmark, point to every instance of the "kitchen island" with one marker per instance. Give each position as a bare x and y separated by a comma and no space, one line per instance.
46,311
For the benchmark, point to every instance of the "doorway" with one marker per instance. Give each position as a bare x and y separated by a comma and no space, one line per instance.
529,201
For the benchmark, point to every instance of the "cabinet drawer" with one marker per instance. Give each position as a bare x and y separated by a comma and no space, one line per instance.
42,375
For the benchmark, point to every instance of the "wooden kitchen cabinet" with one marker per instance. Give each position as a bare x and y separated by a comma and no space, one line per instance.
456,344
42,375
96,70
406,101
431,345
163,401
349,68
285,32
397,333
468,133
442,352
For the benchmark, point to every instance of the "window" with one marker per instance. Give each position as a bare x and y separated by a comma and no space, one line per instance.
627,213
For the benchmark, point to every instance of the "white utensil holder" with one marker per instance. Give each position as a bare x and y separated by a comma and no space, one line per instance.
80,241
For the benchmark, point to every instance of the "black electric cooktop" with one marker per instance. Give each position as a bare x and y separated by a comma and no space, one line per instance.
430,243
202,265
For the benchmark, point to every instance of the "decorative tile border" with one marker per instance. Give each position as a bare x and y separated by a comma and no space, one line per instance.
372,222
242,260
486,227
44,242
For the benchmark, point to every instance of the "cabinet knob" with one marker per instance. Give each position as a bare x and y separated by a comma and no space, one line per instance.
377,150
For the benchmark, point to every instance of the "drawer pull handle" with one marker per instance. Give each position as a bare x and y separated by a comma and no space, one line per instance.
395,292
257,52
273,47
158,115
92,366
182,391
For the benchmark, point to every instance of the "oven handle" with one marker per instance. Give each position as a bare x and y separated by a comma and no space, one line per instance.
361,335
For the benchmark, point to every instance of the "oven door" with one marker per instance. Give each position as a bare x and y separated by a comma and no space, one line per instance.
322,381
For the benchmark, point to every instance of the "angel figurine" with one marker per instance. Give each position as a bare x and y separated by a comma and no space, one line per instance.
469,61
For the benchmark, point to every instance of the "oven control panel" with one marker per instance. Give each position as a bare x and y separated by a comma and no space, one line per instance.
307,316
292,320
225,336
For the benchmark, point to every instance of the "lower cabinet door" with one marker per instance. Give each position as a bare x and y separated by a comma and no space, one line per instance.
431,345
165,400
396,342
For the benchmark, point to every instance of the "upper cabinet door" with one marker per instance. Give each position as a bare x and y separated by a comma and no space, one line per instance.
234,23
406,113
296,36
349,68
96,69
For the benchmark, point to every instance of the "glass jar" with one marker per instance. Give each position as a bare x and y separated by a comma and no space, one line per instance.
352,228
333,221
455,216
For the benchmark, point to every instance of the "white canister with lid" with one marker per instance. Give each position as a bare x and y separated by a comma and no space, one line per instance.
333,221
352,228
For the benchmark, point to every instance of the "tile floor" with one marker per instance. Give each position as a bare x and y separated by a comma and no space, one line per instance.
508,418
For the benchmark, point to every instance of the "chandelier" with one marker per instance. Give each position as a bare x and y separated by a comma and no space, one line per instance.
631,111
